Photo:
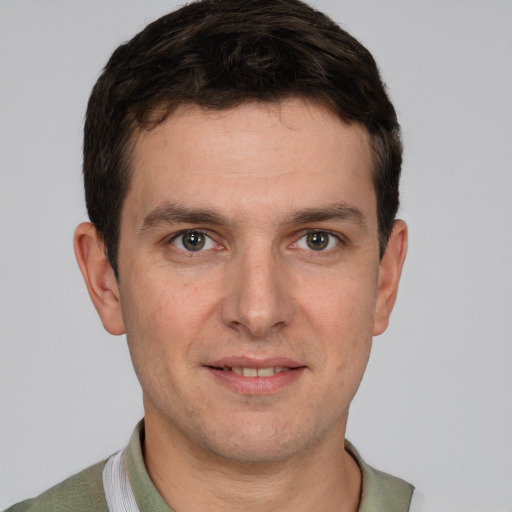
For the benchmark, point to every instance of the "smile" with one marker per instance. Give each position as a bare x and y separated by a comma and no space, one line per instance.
251,378
256,372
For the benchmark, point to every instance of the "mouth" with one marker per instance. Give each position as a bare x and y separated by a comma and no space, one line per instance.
245,371
250,377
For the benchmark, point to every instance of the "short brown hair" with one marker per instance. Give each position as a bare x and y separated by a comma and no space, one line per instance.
219,54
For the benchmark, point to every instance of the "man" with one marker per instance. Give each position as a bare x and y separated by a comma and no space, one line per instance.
241,168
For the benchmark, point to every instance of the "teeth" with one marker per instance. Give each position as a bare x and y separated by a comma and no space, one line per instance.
257,372
266,372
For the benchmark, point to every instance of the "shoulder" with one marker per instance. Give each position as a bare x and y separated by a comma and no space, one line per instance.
381,492
80,493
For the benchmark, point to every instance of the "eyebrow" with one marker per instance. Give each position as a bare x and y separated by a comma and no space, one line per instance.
170,213
339,211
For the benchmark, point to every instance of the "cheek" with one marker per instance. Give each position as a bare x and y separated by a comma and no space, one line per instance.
339,304
341,316
164,316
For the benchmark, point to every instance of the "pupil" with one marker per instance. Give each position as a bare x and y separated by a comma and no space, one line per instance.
194,241
317,241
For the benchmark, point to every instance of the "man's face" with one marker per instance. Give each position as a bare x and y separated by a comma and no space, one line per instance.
249,246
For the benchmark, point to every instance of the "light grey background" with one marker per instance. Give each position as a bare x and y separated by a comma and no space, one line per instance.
435,405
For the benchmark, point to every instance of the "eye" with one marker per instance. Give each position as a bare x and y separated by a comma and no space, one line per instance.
193,241
318,241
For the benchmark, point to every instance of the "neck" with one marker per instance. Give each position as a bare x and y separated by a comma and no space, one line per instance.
325,477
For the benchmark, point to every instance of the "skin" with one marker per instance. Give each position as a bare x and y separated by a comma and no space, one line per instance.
254,181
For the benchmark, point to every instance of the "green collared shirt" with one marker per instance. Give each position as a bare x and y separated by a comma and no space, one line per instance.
84,492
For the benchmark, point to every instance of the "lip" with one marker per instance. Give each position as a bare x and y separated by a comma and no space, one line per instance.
255,385
251,362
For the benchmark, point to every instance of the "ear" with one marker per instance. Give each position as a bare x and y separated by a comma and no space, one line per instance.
99,277
390,270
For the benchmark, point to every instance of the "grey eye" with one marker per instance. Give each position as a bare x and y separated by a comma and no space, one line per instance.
193,241
317,241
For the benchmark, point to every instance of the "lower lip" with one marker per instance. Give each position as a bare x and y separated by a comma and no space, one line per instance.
256,385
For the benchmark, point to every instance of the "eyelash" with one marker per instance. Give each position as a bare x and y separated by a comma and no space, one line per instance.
331,237
208,240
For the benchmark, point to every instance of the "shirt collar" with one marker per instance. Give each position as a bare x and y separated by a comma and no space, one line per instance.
380,492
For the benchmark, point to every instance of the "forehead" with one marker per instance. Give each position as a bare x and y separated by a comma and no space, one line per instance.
274,156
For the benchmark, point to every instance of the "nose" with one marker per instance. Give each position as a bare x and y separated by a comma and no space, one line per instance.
258,298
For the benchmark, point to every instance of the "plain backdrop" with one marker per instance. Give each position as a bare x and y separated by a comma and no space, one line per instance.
435,406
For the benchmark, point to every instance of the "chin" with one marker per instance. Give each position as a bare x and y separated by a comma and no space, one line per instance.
251,452
258,443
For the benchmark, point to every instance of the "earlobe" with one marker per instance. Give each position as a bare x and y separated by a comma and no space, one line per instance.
390,270
99,277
